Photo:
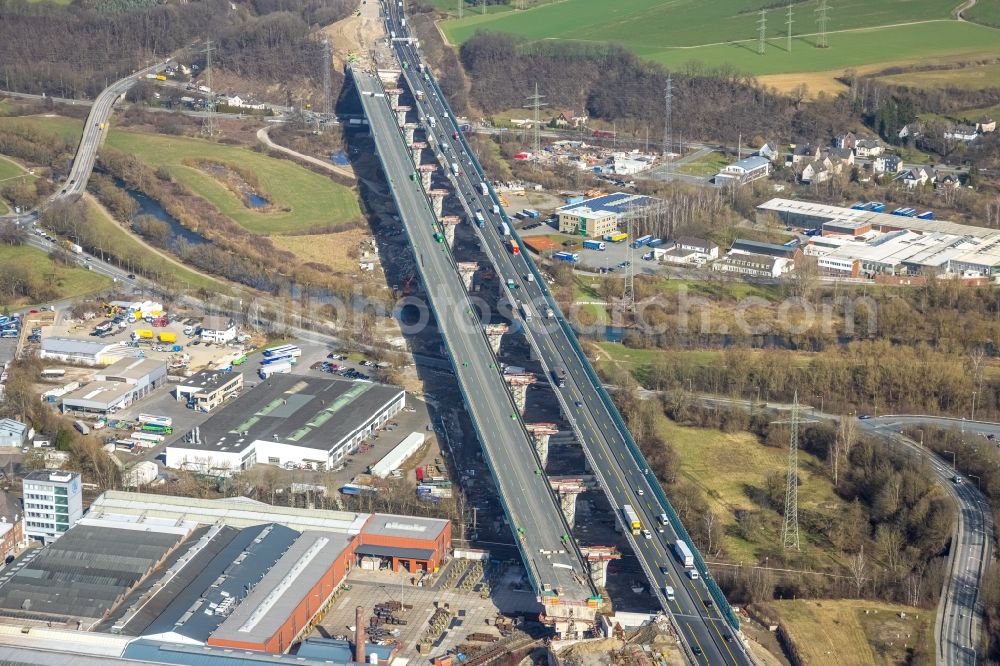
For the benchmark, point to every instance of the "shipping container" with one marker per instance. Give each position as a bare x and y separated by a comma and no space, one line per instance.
641,241
616,238
656,242
82,427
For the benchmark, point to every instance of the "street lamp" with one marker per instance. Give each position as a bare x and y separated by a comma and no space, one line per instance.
821,402
921,437
973,476
953,465
973,406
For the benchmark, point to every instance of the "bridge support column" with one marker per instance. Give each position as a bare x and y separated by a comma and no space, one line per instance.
415,149
393,94
519,383
437,200
401,115
540,433
495,333
467,269
408,131
426,172
598,558
450,222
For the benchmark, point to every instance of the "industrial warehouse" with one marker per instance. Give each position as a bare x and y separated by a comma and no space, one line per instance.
230,573
864,241
602,215
288,420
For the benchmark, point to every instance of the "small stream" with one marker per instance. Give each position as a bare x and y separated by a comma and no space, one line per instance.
147,206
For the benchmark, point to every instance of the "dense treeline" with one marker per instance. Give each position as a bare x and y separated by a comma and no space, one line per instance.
611,83
31,144
75,50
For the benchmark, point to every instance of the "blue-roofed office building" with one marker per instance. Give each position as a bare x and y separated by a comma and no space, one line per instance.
602,215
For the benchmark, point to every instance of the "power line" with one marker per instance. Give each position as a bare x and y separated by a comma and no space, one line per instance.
208,124
761,31
822,16
789,22
628,296
790,527
536,104
668,120
327,84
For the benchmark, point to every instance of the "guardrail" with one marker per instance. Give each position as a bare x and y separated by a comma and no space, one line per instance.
526,556
713,587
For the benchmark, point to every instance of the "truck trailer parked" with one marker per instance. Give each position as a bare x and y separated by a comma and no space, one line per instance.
594,245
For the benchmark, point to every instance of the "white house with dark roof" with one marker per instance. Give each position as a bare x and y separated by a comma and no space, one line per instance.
744,171
218,329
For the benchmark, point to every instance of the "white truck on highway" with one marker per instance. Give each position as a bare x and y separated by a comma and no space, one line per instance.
485,189
454,168
683,554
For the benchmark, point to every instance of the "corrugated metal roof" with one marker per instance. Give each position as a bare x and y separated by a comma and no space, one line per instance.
83,573
186,655
407,527
271,601
75,346
387,551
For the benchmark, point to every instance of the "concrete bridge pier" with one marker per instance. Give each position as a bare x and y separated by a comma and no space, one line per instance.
467,269
409,129
393,94
415,149
400,112
426,171
437,200
540,433
519,384
598,558
449,222
495,333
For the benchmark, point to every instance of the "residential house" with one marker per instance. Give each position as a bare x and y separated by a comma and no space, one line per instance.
839,155
11,525
961,133
218,329
805,153
868,148
816,172
753,265
705,247
916,176
770,151
910,131
986,124
744,171
846,141
570,119
884,163
949,181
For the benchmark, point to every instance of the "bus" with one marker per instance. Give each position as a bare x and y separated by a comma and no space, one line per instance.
282,350
480,220
631,519
146,439
641,242
273,360
616,238
157,428
154,420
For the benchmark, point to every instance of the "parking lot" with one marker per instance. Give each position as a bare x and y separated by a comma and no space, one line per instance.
610,260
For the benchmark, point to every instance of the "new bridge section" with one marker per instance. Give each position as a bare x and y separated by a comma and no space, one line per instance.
554,564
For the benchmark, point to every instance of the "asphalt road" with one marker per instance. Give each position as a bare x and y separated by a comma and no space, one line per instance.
532,508
622,477
958,629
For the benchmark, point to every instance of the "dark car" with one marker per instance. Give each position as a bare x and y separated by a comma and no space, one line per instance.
696,650
131,276
865,416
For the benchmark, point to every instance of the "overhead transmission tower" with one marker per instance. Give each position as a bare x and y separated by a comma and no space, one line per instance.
788,22
628,295
536,103
668,119
790,527
327,83
208,124
762,32
822,16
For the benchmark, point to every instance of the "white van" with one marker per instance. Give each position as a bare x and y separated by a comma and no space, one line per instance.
668,592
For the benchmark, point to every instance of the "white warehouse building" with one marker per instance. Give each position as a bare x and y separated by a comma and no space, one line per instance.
287,420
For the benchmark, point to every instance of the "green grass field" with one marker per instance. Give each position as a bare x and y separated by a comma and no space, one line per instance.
654,24
986,12
729,467
8,171
705,166
69,282
68,128
673,33
313,201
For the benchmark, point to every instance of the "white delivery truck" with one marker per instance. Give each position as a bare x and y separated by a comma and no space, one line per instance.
683,554
280,368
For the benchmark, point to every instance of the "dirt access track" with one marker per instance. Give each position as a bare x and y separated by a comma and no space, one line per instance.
356,33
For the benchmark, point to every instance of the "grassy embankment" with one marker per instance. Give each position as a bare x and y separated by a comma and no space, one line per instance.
69,282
